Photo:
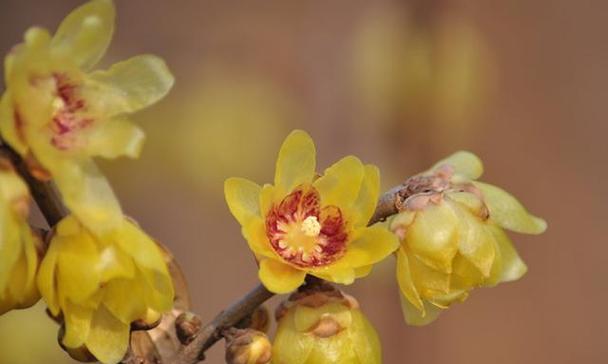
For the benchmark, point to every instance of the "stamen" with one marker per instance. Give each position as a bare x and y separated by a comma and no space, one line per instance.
311,226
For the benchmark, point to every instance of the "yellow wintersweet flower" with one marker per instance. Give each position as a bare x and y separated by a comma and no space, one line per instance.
101,285
18,243
452,237
58,114
308,224
319,327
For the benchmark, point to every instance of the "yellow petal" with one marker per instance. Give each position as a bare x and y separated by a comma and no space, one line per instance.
108,338
84,35
128,86
335,273
416,317
465,275
296,162
77,324
428,281
366,342
114,263
405,280
279,277
510,267
87,193
269,195
341,183
464,163
474,242
243,198
371,245
433,236
255,234
124,298
115,138
289,345
366,201
361,272
47,281
508,212
78,274
9,127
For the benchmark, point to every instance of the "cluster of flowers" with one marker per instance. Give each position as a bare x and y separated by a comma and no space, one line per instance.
448,238
98,271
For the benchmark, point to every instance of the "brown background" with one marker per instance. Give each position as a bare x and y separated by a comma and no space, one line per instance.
520,83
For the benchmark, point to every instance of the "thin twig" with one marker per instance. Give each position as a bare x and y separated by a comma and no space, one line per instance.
388,204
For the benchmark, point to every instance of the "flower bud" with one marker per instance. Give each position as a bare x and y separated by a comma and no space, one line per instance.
187,326
452,237
318,326
247,346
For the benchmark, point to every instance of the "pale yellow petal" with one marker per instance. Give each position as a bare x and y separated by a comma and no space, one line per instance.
128,86
46,279
85,34
11,128
509,213
340,184
77,320
474,241
361,272
289,345
433,237
280,277
464,163
511,266
296,162
366,201
269,196
405,280
370,246
108,337
115,138
416,317
243,199
78,274
340,274
255,234
428,281
124,298
366,342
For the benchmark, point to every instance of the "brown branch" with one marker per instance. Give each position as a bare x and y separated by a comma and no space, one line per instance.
388,204
44,192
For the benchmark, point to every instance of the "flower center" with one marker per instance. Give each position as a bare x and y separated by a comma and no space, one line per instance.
304,233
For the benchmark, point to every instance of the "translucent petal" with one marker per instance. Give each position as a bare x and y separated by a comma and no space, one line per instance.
88,194
465,275
78,274
464,163
511,265
341,183
474,242
279,277
108,338
371,245
415,317
124,298
305,317
428,281
366,342
255,234
296,162
508,212
114,263
340,274
269,195
128,86
47,281
433,237
289,345
9,127
85,34
366,201
361,272
243,198
77,324
405,280
115,138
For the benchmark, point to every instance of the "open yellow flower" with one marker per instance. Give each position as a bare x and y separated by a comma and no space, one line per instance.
101,285
58,114
319,327
18,243
304,224
452,237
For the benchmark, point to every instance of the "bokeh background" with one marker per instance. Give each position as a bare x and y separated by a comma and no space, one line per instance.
399,84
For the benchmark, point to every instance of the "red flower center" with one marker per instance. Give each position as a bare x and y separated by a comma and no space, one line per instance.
69,117
304,233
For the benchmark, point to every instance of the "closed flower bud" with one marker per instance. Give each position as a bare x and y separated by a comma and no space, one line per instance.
19,245
187,326
102,284
247,346
452,237
319,326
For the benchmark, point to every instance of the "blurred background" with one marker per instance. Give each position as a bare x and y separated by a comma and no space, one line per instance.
399,84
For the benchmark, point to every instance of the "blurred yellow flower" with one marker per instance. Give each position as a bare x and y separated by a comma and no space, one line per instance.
452,238
58,114
304,224
101,285
18,243
324,327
